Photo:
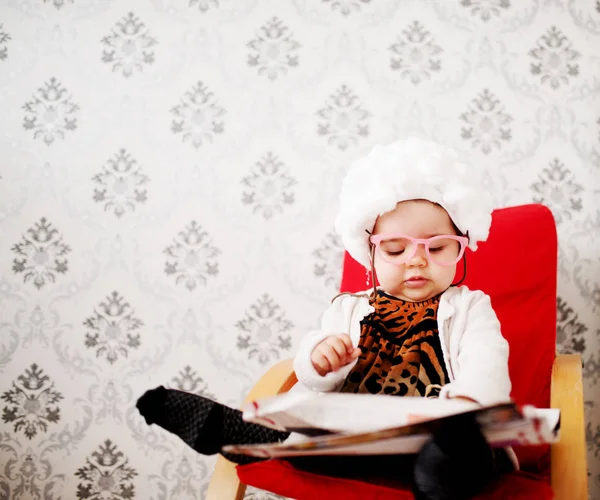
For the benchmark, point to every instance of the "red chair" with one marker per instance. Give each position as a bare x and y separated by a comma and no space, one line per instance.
517,268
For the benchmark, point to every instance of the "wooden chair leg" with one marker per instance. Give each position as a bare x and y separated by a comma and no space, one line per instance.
568,456
224,483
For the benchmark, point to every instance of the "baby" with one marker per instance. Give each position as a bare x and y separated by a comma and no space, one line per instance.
407,213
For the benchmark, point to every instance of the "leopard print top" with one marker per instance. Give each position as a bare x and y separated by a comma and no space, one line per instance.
401,350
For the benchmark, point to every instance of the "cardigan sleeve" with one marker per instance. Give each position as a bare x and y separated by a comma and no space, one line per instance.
482,358
333,322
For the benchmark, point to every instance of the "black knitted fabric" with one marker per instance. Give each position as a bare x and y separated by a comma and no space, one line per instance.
203,424
237,431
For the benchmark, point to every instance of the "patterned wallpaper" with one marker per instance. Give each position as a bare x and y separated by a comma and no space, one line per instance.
169,180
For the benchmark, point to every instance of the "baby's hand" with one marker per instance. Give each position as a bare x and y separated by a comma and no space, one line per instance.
333,353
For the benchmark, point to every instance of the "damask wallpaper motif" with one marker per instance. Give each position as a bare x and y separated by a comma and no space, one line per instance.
169,180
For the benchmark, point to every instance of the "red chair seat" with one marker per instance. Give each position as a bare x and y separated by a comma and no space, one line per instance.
278,476
516,267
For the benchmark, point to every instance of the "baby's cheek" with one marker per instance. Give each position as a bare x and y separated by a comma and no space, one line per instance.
389,275
441,279
447,274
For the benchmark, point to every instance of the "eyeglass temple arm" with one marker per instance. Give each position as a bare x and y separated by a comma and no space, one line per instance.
372,262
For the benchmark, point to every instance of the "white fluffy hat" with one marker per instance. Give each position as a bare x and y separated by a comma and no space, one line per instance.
408,170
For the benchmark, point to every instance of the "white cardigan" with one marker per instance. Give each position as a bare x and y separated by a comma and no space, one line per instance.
475,352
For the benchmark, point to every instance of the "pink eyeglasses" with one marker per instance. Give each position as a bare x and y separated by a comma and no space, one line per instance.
443,250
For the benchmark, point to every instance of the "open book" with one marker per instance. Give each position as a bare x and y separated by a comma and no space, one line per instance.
360,424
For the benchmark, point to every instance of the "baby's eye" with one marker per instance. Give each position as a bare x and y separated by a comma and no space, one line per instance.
437,249
394,252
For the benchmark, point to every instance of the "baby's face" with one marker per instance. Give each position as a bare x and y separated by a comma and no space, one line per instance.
419,219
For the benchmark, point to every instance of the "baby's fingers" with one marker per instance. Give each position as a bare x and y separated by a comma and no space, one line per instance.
346,341
350,356
333,358
320,363
338,346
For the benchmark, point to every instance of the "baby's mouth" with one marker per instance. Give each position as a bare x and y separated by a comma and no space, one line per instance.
416,281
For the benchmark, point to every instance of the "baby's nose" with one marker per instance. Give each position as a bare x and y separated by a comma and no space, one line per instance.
420,254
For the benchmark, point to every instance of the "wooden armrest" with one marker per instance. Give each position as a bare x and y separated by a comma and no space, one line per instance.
280,378
224,483
568,456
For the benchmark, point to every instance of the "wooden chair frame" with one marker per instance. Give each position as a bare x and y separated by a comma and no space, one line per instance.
568,456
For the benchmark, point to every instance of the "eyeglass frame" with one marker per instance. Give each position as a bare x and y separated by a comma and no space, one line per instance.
376,239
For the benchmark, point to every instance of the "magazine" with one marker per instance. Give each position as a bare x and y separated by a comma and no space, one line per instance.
352,424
